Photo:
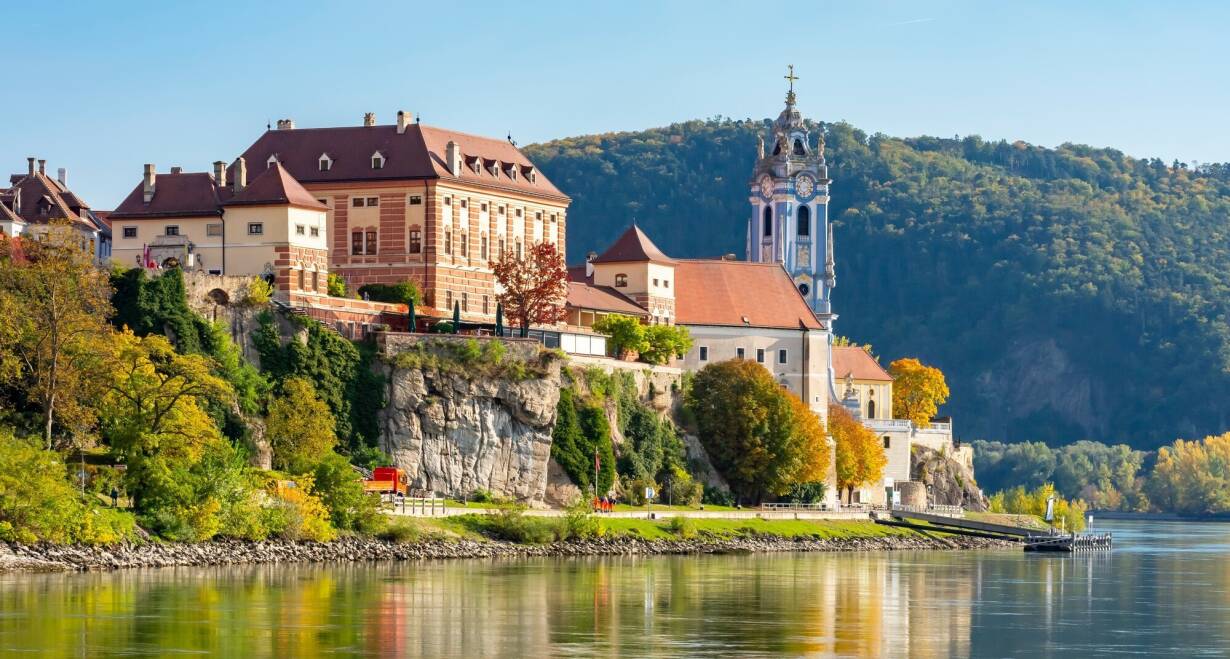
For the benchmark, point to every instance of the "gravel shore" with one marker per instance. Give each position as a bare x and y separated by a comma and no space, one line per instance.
42,557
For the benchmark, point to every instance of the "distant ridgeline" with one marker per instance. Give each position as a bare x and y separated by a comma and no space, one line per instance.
1067,293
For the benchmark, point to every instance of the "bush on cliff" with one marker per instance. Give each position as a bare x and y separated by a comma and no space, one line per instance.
299,427
581,432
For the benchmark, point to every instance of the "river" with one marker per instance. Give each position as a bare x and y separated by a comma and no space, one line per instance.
1163,591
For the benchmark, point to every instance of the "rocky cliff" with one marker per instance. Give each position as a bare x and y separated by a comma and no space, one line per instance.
948,482
461,417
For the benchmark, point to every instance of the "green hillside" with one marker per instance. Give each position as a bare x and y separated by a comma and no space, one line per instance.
1068,293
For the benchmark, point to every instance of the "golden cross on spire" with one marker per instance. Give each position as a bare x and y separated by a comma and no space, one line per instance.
791,76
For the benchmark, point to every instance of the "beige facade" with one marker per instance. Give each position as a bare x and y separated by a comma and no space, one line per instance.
797,359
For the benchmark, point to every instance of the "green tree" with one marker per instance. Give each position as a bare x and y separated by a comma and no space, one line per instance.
627,334
341,491
299,427
664,342
761,438
337,285
581,431
54,303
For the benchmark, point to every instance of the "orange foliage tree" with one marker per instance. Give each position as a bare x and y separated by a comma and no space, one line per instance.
535,285
860,456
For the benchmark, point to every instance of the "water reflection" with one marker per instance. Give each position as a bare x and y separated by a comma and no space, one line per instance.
1165,589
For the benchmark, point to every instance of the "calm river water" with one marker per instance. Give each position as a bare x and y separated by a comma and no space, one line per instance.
1163,591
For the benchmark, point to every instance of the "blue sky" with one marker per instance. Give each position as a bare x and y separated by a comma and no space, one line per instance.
101,88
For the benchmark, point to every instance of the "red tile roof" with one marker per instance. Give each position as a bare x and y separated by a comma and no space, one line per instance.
418,153
635,247
44,199
739,294
577,273
601,298
175,195
275,186
853,360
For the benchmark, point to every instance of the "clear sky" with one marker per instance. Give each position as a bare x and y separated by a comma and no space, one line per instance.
100,88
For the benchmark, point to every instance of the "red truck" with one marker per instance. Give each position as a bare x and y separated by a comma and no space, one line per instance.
387,480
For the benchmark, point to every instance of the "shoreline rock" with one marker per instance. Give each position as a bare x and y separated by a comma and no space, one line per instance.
78,558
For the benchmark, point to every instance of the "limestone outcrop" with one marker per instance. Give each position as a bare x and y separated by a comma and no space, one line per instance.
947,481
456,427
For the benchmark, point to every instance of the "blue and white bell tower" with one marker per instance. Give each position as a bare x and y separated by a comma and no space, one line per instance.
790,202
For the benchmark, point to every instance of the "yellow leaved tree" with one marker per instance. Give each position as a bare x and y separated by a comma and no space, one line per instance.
860,456
918,390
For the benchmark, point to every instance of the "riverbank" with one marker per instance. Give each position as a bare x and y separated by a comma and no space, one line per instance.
47,558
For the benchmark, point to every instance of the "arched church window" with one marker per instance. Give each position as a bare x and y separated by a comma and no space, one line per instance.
798,148
804,221
871,409
777,148
768,221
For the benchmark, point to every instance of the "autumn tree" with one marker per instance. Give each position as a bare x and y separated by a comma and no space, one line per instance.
918,390
54,303
762,438
860,456
1191,477
535,285
299,427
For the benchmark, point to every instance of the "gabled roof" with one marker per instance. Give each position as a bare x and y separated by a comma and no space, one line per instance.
191,194
31,189
275,186
853,360
633,247
601,298
418,153
739,294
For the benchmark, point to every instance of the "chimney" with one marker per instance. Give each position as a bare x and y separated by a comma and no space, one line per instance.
62,176
220,173
369,118
241,175
177,170
452,156
30,166
147,184
286,124
42,166
589,264
403,120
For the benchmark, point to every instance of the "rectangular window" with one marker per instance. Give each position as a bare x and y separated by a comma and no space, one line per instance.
704,353
666,283
356,242
518,212
171,230
486,307
213,229
371,242
501,248
760,355
538,215
482,247
416,200
373,201
416,241
300,229
465,246
300,278
130,232
464,204
315,280
781,356
465,301
315,232
215,271
740,353
256,229
448,299
357,202
887,442
483,207
448,242
448,201
655,281
501,210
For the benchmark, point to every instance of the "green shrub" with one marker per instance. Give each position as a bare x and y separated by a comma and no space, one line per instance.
259,292
579,522
402,292
682,526
581,431
337,285
634,490
402,530
806,493
513,525
717,496
341,491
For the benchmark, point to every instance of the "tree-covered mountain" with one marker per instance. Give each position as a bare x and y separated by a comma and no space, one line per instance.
1068,293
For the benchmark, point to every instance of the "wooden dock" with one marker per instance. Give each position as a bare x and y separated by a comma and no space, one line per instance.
1032,539
1070,543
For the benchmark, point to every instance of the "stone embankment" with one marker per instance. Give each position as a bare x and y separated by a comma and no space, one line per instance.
16,557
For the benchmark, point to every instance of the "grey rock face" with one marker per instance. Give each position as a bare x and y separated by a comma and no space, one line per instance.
454,433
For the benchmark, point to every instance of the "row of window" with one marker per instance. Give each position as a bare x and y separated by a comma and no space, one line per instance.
804,221
299,230
741,353
254,229
326,162
621,281
464,302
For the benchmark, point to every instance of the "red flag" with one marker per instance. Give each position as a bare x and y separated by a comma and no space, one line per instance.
597,463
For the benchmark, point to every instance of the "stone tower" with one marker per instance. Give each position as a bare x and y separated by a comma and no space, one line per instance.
789,195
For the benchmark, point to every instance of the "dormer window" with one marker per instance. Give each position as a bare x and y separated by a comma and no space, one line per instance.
621,280
530,174
326,163
377,160
272,161
492,166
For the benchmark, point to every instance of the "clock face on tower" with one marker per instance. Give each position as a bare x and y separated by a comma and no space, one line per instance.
766,186
804,186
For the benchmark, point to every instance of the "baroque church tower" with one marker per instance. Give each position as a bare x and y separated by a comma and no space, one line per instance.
790,200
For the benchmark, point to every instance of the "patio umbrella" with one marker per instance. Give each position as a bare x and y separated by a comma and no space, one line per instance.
499,319
456,317
410,317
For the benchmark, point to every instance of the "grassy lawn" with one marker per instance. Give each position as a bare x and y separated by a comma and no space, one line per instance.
708,507
1009,519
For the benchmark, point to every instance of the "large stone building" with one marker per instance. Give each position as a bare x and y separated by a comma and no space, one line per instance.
34,200
411,201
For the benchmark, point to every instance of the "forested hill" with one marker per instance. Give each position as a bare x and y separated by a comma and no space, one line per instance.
1068,293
